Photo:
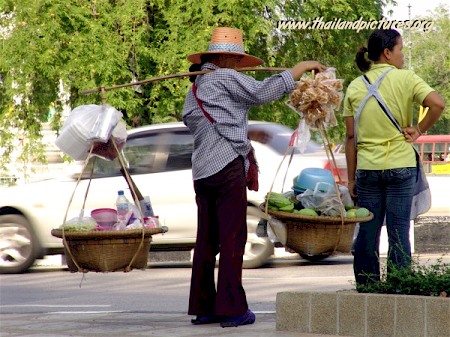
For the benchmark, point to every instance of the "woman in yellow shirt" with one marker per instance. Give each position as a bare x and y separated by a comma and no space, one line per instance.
381,161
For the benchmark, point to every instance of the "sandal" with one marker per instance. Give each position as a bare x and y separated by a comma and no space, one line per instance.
204,320
247,318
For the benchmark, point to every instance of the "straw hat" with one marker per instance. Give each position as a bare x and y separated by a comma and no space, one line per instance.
227,41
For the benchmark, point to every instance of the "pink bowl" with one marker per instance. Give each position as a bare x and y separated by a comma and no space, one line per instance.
105,217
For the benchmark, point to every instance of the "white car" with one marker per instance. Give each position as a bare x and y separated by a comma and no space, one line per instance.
159,161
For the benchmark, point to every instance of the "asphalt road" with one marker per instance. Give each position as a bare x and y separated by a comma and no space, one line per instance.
162,288
52,302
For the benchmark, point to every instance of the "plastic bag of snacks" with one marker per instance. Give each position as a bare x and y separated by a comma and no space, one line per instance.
316,98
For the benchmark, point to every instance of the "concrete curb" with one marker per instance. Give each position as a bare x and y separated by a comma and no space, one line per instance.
354,314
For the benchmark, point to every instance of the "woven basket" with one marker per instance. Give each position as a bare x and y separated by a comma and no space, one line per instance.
317,235
107,250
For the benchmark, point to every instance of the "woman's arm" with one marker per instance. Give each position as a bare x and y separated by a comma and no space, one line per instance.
300,68
350,155
436,106
248,90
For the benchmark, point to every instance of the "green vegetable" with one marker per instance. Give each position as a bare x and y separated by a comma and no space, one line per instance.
288,208
362,212
351,213
348,207
308,211
278,200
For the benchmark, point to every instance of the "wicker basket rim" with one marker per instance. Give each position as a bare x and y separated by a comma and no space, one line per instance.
132,233
318,219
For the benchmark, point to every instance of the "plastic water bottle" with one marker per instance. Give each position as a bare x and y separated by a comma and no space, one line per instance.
146,206
123,208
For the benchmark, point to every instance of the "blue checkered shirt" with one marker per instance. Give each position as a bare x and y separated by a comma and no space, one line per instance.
227,95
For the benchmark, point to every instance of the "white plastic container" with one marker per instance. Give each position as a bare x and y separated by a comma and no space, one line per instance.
107,119
73,141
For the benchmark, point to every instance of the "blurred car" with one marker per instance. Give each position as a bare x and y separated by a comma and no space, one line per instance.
158,158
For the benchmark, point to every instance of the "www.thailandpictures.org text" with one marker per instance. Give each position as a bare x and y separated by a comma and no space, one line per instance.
320,24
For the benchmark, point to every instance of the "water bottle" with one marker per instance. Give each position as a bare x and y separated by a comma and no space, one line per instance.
146,207
123,208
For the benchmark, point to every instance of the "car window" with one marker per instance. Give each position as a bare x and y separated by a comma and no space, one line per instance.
281,136
149,152
160,152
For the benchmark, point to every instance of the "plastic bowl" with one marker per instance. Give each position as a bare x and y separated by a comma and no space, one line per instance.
105,217
309,177
297,190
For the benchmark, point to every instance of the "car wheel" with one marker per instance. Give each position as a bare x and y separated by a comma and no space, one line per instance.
18,244
257,249
313,258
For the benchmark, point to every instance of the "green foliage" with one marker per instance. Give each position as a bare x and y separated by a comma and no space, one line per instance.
82,45
430,59
425,280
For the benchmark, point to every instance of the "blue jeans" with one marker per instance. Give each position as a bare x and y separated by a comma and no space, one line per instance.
388,195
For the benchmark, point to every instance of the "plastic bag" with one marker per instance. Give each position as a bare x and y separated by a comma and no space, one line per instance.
345,196
86,125
79,224
107,118
134,224
83,118
107,150
325,202
303,136
316,99
277,231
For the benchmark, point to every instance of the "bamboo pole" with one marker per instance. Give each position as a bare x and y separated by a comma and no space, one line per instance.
160,78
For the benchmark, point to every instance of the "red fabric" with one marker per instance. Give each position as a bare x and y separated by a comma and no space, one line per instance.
253,171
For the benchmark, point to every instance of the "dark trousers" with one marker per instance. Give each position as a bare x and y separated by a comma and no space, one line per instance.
222,228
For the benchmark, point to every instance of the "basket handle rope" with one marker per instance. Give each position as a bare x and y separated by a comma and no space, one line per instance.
289,148
329,153
135,199
133,192
65,243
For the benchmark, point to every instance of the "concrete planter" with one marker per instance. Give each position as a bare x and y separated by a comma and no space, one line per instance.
348,313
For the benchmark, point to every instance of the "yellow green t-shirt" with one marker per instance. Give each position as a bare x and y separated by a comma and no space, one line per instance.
380,145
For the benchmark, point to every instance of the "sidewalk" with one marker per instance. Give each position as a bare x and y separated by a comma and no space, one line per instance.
130,324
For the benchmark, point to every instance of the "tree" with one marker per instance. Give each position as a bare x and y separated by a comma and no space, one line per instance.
431,61
88,44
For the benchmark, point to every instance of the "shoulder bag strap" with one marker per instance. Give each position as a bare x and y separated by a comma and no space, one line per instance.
208,116
200,104
213,122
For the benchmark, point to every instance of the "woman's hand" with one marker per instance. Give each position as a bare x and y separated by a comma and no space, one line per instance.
411,133
306,66
352,190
